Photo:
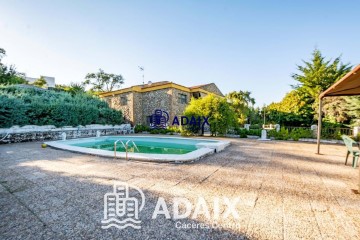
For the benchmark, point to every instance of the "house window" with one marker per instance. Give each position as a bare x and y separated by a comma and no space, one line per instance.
182,98
196,95
123,101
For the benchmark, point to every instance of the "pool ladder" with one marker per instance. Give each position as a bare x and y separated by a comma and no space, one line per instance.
126,145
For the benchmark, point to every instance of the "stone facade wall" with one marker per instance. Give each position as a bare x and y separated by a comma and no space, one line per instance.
212,88
137,108
158,99
177,107
203,94
127,109
141,105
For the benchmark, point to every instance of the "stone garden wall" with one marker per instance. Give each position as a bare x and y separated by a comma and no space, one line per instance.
42,133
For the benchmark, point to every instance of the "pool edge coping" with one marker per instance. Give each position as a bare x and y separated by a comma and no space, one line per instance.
208,149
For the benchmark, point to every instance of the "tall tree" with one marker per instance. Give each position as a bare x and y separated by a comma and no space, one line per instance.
317,75
2,53
103,82
221,115
353,108
8,74
335,110
292,110
241,102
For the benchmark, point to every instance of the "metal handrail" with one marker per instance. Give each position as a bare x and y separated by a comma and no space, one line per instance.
125,146
115,146
133,144
6,135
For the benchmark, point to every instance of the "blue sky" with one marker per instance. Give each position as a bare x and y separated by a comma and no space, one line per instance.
239,45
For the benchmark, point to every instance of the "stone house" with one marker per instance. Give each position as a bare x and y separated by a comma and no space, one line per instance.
139,102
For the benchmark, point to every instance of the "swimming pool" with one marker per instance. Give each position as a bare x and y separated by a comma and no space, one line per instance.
146,148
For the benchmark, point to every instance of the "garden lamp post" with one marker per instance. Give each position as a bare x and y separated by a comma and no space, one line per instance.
264,114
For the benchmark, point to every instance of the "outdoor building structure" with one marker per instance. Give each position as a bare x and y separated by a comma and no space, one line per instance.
349,85
139,102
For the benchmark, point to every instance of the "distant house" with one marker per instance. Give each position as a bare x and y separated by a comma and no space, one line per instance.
50,81
139,102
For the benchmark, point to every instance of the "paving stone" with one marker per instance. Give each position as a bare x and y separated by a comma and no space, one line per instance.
285,191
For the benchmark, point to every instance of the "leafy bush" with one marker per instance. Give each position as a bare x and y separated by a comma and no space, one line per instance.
298,133
163,131
244,132
218,110
254,132
294,134
154,131
141,128
283,134
8,74
357,138
33,106
174,129
331,133
186,133
12,112
255,126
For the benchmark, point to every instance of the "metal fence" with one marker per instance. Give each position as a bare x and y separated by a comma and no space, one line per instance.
336,131
293,128
329,133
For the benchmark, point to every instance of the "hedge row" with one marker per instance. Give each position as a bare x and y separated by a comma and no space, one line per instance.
32,106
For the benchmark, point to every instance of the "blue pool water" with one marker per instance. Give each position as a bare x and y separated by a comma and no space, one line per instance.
149,145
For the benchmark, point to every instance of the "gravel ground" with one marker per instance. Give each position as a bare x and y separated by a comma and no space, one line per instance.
284,191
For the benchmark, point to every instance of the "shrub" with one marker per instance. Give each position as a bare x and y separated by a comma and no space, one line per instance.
255,126
331,133
272,133
298,133
12,112
163,131
186,133
174,129
154,131
142,128
283,134
244,132
254,132
357,138
33,106
294,134
218,110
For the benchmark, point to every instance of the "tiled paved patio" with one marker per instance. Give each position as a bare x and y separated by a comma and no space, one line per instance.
285,191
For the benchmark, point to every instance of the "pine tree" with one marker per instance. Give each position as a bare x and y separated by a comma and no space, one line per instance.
317,75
